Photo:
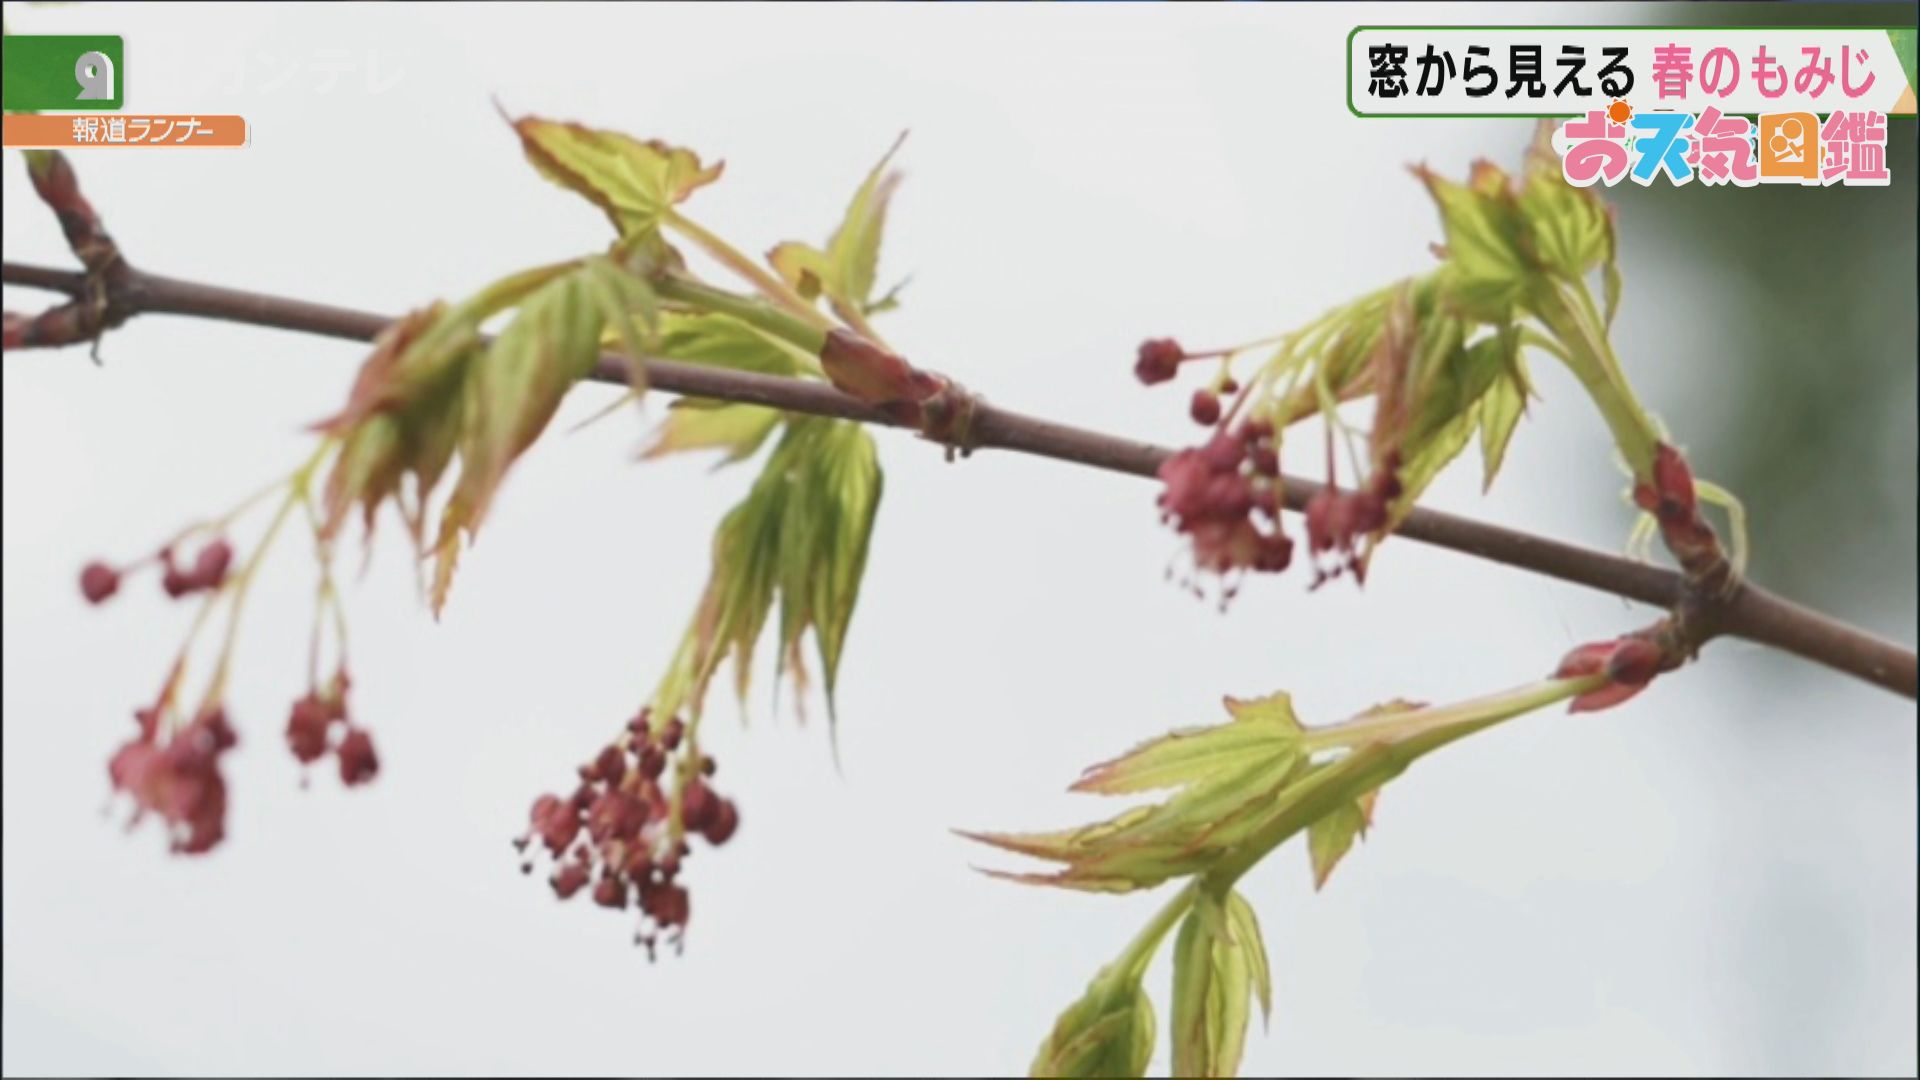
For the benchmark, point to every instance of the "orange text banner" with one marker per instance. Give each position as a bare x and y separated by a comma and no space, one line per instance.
114,129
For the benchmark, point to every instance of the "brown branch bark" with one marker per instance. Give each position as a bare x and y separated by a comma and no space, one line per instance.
1748,612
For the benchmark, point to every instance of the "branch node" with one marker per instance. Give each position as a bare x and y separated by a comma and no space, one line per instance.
101,302
947,418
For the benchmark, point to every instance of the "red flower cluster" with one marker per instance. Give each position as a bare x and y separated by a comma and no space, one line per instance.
178,779
176,776
309,729
98,580
615,831
1225,496
1205,407
357,761
1337,521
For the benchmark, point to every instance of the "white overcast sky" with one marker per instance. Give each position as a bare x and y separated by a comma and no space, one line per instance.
1664,887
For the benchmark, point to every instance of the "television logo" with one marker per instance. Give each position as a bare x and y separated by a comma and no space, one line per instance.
57,86
94,72
62,72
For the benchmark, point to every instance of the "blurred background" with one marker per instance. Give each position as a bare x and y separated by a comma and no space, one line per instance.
1719,877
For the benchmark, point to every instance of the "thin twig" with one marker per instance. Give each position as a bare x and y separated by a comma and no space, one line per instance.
1749,612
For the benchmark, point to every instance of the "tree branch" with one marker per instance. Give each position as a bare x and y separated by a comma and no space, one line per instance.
1749,612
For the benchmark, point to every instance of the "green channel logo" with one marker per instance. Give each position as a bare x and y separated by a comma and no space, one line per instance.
62,72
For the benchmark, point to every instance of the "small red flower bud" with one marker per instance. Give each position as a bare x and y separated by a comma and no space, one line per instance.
653,762
210,566
569,879
98,581
213,726
610,892
1274,554
668,904
557,821
670,735
611,765
1159,360
131,764
1205,408
176,583
358,763
698,805
725,821
307,729
1266,460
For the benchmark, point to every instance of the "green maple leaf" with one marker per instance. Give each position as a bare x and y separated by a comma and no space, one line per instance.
846,270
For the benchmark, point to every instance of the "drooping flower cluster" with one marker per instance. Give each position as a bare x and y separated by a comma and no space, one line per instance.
310,727
617,833
1225,497
171,769
1338,520
1225,494
175,775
